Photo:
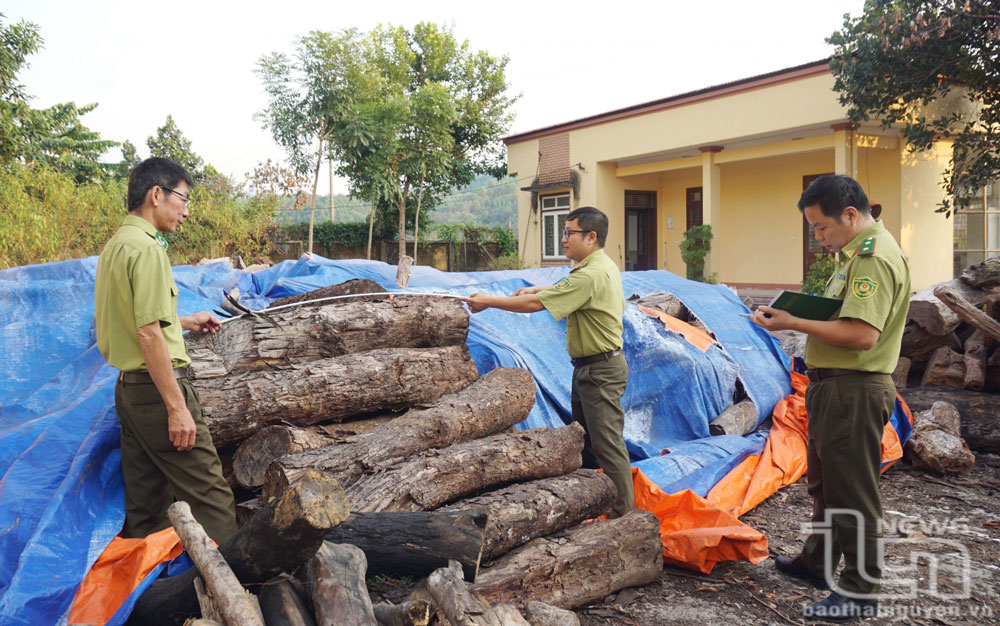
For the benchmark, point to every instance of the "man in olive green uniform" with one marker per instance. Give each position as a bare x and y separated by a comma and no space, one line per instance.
166,449
850,396
592,302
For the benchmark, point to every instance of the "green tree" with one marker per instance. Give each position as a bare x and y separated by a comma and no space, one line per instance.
170,143
900,63
428,112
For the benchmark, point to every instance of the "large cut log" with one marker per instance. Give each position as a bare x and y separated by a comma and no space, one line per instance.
666,302
438,476
738,419
228,595
968,311
541,614
933,315
936,443
902,372
980,426
975,361
984,274
283,605
519,513
415,543
918,344
335,578
303,334
282,536
498,400
237,406
946,367
579,565
353,286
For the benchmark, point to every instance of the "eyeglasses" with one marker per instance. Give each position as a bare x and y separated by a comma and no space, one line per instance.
566,232
186,199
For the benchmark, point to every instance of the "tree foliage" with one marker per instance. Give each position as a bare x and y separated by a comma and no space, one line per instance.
170,143
932,69
405,114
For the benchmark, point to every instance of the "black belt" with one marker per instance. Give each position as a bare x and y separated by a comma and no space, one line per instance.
595,358
144,377
829,372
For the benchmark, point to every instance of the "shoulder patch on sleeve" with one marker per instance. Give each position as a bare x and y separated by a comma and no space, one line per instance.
864,288
563,284
867,247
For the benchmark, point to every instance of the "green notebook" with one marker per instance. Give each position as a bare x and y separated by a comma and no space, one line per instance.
806,306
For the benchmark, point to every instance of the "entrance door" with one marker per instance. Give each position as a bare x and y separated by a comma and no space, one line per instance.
693,204
640,230
811,250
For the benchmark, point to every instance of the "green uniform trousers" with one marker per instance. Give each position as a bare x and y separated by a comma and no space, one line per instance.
847,415
596,401
156,474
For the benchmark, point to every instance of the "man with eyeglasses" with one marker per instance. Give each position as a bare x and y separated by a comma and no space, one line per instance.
166,450
592,301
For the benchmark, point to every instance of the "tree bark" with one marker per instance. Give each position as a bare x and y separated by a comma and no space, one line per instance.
282,605
228,595
968,312
519,513
403,265
580,565
983,275
975,361
501,398
408,613
303,334
416,543
282,536
946,367
457,603
666,302
237,406
918,344
738,419
439,476
933,315
980,426
335,577
902,372
541,614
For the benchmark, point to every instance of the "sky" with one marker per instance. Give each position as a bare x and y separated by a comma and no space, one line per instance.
141,61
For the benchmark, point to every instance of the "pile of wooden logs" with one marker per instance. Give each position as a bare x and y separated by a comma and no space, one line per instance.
951,351
364,442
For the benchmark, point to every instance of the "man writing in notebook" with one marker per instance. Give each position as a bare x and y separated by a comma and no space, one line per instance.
850,396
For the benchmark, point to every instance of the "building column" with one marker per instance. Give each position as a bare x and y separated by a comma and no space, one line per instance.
845,149
711,203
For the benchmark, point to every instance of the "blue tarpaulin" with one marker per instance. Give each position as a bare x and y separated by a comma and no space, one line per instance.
61,494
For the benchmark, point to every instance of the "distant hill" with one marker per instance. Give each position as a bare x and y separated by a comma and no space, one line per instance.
485,202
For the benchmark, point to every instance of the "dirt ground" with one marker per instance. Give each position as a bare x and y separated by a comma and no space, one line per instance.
948,525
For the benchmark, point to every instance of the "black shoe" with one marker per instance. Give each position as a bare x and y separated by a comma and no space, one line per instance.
793,566
841,609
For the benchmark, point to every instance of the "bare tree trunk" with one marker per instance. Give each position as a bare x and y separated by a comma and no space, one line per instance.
282,536
229,596
332,214
237,406
583,564
416,220
439,476
417,543
335,578
519,513
302,334
498,400
371,226
312,213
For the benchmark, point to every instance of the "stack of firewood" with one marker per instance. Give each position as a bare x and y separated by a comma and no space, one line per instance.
951,351
365,442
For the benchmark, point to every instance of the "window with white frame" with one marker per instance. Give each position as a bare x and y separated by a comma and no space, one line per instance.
555,208
977,229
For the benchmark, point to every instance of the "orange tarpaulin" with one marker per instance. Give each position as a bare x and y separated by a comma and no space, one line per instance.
699,532
119,570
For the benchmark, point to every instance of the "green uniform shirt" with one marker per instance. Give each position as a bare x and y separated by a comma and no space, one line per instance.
873,280
135,287
592,300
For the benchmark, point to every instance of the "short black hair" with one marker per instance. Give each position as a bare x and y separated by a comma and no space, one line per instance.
590,218
834,193
154,172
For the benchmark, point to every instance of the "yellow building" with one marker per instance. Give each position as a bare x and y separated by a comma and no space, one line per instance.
736,156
